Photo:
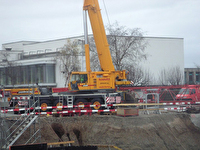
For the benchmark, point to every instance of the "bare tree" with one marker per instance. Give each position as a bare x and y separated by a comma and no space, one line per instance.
68,58
139,76
127,46
94,60
175,76
9,68
163,77
171,76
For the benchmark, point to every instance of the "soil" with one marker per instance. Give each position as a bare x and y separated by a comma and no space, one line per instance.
166,131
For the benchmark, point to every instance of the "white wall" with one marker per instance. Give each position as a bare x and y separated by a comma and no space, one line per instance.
53,45
60,80
16,45
163,53
10,55
35,61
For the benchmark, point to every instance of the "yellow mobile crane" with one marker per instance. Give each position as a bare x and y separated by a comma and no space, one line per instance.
89,86
108,78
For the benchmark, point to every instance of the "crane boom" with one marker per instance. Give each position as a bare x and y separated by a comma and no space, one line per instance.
102,46
107,78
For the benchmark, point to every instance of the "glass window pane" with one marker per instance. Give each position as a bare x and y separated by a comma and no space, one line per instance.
40,74
50,73
191,81
32,72
197,77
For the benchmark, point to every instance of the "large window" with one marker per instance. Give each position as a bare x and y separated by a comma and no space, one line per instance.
32,74
197,77
50,73
43,73
2,76
191,78
40,73
17,73
24,78
185,77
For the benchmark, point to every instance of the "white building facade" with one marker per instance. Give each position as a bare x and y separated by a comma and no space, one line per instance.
163,54
36,62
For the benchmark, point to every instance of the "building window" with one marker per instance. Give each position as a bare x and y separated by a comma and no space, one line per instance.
23,75
185,77
40,73
33,74
9,75
43,73
17,73
197,77
2,76
50,73
191,78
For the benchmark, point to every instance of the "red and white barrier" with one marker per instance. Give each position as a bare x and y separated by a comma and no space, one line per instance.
180,103
95,111
80,110
176,109
21,97
74,111
57,107
103,105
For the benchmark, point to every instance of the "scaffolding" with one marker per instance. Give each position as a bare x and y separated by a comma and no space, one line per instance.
154,93
166,93
27,121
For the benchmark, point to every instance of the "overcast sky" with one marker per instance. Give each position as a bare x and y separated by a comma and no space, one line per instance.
42,20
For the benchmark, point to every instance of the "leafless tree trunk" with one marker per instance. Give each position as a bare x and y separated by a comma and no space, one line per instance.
139,77
10,68
175,76
163,77
171,76
127,46
68,58
94,60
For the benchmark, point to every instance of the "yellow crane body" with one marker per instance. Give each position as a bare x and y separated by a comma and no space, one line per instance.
108,78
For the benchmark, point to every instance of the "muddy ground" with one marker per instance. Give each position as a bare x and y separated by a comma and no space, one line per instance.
166,131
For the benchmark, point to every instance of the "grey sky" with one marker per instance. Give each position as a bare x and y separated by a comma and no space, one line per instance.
41,20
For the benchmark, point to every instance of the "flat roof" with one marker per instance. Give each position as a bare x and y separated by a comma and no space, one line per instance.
81,36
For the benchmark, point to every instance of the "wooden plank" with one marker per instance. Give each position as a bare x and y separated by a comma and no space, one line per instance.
58,143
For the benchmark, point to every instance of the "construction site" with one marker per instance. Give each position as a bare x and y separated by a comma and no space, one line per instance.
169,130
166,125
96,109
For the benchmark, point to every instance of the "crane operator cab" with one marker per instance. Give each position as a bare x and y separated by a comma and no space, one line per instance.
78,80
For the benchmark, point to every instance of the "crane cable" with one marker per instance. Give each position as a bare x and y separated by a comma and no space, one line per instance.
106,13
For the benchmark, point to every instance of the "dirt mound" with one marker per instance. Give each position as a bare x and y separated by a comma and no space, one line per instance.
154,131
